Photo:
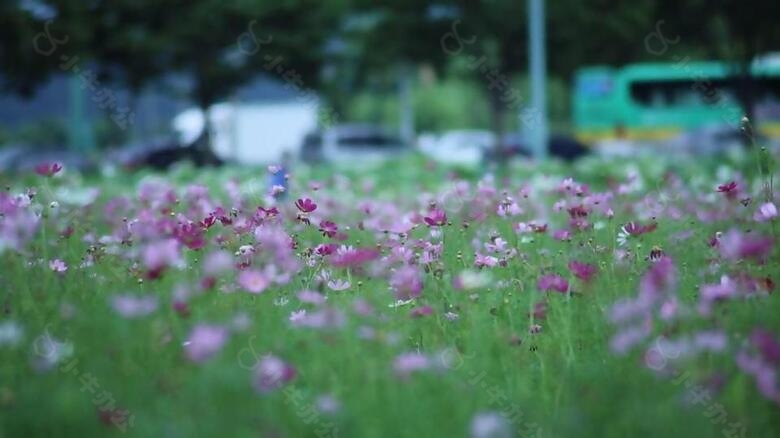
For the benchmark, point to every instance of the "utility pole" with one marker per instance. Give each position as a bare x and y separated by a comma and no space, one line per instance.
539,132
406,106
80,135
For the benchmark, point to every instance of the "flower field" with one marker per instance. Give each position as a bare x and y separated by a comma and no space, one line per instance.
603,299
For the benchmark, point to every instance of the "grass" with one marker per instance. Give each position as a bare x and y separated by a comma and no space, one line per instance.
566,380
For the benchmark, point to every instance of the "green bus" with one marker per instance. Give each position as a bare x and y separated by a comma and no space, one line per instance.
657,101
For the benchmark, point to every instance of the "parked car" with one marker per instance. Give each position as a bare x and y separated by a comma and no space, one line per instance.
461,147
159,153
558,146
351,144
711,139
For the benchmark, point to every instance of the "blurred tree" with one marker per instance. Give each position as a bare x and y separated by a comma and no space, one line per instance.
220,44
734,31
497,31
609,32
35,35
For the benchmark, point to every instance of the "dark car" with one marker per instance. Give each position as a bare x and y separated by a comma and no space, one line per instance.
559,146
161,153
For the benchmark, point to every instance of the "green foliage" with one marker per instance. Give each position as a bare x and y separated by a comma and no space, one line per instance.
47,132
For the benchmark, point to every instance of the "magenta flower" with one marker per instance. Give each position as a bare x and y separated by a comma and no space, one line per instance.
48,169
205,341
767,345
131,306
436,218
419,312
253,281
761,361
190,235
540,311
325,249
636,229
271,373
553,282
735,246
583,271
328,228
350,257
58,266
305,205
729,189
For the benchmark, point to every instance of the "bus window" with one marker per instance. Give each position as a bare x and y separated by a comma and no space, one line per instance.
663,94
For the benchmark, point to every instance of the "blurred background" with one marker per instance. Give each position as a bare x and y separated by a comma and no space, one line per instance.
104,85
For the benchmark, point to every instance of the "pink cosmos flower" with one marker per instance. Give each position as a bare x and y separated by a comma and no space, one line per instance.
350,257
48,169
636,229
271,373
407,363
710,294
338,285
328,228
157,256
406,283
131,306
324,318
767,345
328,404
418,312
297,316
490,425
761,361
553,282
58,266
436,218
325,249
563,235
540,311
729,189
481,261
217,262
253,281
205,341
305,205
735,245
583,271
766,212
627,338
311,297
190,235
